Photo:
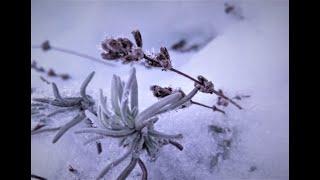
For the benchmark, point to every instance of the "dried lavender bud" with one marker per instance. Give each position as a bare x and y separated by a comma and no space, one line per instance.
125,43
137,37
65,76
160,92
222,102
51,72
205,86
165,52
110,55
164,59
179,45
45,46
138,53
135,55
113,45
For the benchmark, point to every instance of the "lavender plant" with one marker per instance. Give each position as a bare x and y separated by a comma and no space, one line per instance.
134,129
80,104
126,51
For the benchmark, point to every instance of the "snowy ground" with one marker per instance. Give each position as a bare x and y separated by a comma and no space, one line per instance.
248,57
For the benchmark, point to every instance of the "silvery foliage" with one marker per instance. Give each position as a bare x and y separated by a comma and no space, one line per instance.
65,104
134,129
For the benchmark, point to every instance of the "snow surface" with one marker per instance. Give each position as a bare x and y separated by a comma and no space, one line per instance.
247,57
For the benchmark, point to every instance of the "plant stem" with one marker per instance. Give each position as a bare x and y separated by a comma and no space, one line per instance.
225,97
185,75
191,78
200,104
68,51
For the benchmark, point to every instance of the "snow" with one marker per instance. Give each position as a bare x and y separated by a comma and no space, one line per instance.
245,57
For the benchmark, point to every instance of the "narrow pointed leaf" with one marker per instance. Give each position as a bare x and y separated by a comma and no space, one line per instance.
67,126
84,86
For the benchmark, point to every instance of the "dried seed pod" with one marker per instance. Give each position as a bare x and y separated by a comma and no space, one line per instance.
160,92
125,43
137,38
205,86
165,52
113,45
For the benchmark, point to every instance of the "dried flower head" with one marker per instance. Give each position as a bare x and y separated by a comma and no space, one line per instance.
121,48
163,58
205,86
135,129
161,92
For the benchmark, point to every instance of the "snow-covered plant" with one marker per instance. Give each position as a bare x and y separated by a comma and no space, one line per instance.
80,104
135,129
123,49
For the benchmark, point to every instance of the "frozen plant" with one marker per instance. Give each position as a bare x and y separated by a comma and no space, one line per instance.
126,51
135,129
80,104
123,49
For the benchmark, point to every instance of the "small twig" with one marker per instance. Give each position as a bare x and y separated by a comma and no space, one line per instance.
99,147
67,51
37,177
176,144
214,108
44,80
225,97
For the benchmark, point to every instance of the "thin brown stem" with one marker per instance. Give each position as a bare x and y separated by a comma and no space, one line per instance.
68,51
225,97
193,79
185,75
214,108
